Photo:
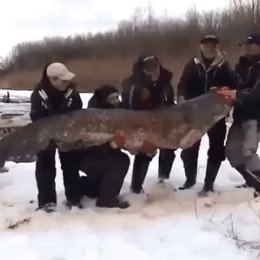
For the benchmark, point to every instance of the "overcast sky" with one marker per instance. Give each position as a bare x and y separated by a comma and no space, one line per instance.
26,20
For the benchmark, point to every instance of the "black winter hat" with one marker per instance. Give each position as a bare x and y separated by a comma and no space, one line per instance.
104,91
146,61
150,62
209,38
252,39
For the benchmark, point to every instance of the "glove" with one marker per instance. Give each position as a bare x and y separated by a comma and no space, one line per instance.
118,140
227,93
148,148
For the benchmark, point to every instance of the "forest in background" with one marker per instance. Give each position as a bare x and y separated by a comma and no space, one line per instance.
107,57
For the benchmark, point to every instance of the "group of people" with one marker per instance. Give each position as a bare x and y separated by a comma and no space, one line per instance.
150,86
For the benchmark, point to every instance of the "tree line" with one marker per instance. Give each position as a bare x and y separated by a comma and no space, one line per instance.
143,32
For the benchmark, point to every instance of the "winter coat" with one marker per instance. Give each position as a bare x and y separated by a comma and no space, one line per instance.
98,100
140,92
198,76
47,101
247,74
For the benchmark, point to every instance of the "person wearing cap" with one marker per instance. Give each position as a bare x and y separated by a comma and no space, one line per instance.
243,137
208,70
148,87
104,166
55,94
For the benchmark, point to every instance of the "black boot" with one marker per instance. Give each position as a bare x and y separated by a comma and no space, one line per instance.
190,162
252,178
117,203
249,180
187,185
140,168
70,204
166,158
211,174
48,207
191,174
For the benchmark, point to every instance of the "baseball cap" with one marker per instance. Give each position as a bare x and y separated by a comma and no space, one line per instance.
209,38
59,70
252,39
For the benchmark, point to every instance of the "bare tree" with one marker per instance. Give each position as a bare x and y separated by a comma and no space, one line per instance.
211,21
150,14
143,31
137,18
247,8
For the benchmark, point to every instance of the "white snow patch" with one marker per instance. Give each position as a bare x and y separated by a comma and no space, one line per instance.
164,225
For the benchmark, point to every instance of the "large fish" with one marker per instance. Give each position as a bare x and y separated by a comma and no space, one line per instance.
173,127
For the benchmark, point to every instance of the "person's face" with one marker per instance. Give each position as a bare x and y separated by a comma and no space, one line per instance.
113,99
153,71
209,49
251,49
59,84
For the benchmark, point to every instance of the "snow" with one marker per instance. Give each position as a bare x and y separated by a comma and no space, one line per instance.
167,224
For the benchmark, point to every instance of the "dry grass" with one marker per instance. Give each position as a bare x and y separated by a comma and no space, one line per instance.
93,72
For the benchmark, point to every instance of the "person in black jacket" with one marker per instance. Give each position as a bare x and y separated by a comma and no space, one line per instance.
148,87
244,134
211,70
55,94
105,166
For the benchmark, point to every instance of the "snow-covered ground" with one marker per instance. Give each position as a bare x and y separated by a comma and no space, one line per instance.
164,225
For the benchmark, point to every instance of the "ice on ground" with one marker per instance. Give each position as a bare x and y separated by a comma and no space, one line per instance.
165,224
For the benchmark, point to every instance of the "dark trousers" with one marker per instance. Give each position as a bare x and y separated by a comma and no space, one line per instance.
141,165
46,172
140,168
105,175
166,159
216,152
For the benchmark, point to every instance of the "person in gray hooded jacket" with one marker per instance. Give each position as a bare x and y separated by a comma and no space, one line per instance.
243,137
